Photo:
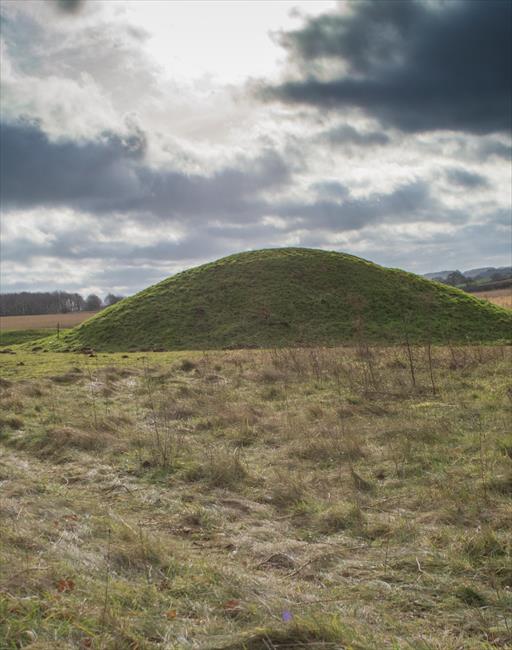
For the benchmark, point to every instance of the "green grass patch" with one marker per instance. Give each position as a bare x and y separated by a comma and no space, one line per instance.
14,337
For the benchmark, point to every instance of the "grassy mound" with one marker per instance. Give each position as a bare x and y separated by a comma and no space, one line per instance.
289,296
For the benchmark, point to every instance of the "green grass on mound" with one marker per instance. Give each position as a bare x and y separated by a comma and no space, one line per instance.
290,296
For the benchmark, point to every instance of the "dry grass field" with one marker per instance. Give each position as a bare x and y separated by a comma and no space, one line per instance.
500,297
44,321
341,498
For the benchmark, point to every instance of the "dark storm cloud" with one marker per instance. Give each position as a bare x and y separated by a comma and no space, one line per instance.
70,6
463,178
498,149
109,175
346,134
230,193
109,180
411,65
92,241
330,189
410,202
35,171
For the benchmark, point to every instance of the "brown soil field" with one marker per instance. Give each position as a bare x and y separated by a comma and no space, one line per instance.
44,320
501,297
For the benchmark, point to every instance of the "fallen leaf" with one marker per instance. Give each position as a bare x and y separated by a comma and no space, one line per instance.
65,585
170,614
231,604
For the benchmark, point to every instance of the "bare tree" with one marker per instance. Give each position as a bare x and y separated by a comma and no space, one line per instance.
111,299
92,302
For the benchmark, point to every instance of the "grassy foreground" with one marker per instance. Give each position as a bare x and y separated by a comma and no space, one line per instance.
288,297
342,498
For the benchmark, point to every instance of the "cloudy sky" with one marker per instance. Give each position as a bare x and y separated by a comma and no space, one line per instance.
141,138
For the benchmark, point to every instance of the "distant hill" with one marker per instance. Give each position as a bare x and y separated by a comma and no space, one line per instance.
484,274
288,297
486,270
438,275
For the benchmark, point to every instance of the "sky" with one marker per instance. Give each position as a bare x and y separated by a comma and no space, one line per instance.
142,138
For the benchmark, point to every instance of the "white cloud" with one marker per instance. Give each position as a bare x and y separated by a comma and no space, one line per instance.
216,169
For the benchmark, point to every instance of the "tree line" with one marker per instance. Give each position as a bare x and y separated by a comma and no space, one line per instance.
27,303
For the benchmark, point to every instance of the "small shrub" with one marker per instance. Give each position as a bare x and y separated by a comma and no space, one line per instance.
59,438
31,390
199,517
270,376
287,489
502,485
505,446
484,544
315,411
271,393
176,411
245,436
222,467
470,596
71,377
186,365
315,631
341,517
361,484
329,446
11,422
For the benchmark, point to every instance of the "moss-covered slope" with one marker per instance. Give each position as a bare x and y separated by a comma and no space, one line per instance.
288,296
